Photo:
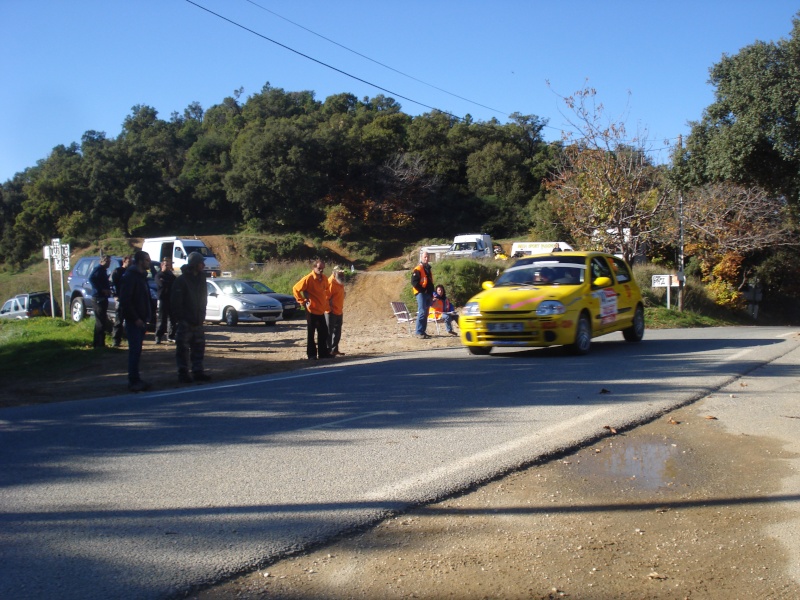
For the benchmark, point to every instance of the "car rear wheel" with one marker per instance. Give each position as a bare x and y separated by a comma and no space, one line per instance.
583,336
78,309
635,332
231,317
479,350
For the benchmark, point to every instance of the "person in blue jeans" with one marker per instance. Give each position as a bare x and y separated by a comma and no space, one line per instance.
422,283
134,299
444,309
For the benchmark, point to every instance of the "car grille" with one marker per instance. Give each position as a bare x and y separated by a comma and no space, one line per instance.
265,313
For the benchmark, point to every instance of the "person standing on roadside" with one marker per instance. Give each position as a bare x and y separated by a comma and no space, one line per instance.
422,283
165,327
134,299
189,298
335,315
102,292
116,284
313,292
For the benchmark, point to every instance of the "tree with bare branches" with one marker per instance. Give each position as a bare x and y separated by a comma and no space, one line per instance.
606,191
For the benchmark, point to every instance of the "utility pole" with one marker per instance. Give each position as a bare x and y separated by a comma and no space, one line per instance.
681,276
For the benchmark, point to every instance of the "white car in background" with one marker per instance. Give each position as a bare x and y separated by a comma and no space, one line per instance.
231,301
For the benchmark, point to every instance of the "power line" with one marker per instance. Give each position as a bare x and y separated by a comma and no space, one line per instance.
385,66
322,63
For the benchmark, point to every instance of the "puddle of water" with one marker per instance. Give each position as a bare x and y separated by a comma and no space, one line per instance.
646,464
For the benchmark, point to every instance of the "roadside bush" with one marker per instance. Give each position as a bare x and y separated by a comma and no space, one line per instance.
462,278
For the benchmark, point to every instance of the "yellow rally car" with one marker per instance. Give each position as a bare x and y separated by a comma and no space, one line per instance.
561,298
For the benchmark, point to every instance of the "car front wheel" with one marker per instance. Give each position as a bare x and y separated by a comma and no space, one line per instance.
231,317
479,350
78,309
583,337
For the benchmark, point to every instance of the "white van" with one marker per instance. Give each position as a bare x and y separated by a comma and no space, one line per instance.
527,248
179,249
471,245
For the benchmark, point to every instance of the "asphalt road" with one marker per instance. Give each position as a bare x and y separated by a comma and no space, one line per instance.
147,496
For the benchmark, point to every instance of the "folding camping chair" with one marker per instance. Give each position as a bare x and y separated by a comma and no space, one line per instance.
402,314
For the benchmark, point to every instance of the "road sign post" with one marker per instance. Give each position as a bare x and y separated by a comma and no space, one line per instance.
666,281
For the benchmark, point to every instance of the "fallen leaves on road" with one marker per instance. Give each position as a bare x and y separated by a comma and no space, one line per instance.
673,421
611,429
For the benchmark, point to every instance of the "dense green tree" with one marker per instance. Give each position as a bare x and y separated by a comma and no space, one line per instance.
750,134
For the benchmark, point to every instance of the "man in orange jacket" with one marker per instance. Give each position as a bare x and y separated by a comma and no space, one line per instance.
422,284
313,292
335,316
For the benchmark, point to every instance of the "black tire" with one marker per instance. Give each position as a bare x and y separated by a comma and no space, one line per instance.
270,323
78,309
635,332
231,317
479,350
583,337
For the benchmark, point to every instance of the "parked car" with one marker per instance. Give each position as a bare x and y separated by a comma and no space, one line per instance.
287,300
25,306
79,290
233,300
565,298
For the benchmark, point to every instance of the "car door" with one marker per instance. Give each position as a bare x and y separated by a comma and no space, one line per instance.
214,305
626,298
604,306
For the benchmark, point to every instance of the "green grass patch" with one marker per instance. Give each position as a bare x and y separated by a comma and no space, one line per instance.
660,317
39,347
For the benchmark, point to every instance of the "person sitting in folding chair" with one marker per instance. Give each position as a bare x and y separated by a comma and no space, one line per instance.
443,309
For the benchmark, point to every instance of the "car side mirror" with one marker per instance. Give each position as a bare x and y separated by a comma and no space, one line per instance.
602,282
487,285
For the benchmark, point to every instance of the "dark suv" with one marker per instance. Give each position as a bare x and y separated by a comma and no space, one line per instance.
79,298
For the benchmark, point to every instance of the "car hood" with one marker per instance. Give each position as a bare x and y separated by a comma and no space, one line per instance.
261,300
526,297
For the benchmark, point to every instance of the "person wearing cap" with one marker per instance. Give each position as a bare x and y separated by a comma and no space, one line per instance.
335,315
313,292
188,302
134,305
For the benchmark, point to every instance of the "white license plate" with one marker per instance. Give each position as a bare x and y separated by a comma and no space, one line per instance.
497,327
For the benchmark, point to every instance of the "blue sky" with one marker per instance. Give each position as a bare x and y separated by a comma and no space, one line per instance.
72,66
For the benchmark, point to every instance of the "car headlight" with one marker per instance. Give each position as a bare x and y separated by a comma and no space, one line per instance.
247,305
471,309
550,307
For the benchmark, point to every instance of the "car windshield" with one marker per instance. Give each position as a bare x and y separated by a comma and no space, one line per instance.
260,287
236,287
544,271
201,248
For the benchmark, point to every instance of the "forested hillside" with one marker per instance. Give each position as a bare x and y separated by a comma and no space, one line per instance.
361,170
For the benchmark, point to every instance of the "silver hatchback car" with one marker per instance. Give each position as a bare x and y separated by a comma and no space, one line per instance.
233,300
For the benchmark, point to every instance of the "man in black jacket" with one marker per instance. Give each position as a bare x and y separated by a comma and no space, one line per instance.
116,285
134,299
102,292
189,299
165,327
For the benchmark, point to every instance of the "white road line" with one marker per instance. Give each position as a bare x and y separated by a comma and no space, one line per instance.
401,489
738,355
364,416
223,386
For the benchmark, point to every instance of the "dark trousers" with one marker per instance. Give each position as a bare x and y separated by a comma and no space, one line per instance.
316,324
334,323
101,323
190,347
135,341
119,327
165,324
